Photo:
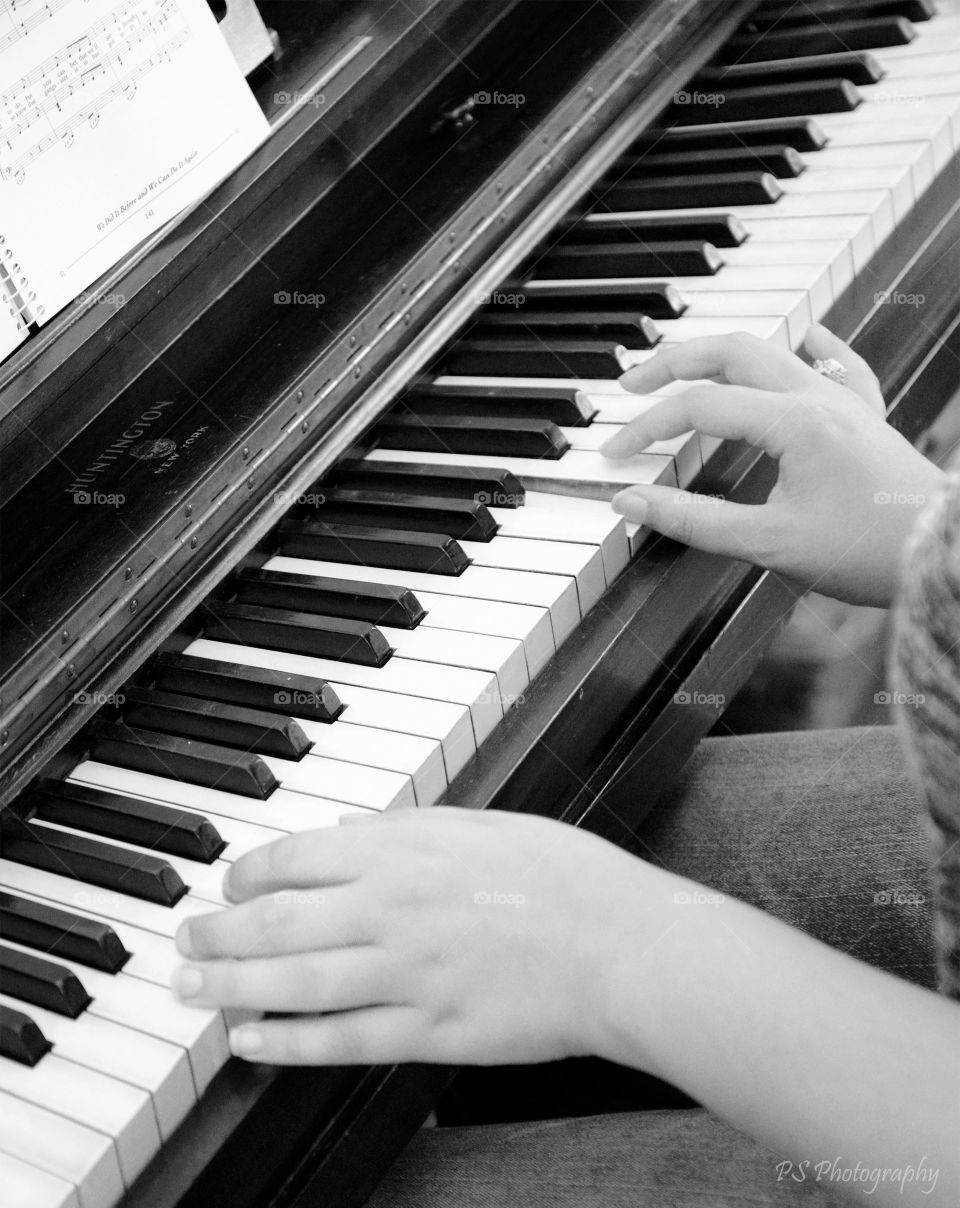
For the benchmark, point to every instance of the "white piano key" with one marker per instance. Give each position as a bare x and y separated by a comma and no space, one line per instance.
419,758
792,306
63,1148
371,788
575,473
875,204
159,1068
620,408
25,1186
900,88
530,624
918,154
897,179
928,59
406,677
286,811
582,563
503,656
904,112
476,582
893,132
836,254
150,1009
557,518
204,881
690,326
117,1109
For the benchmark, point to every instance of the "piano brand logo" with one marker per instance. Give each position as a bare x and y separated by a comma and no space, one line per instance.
131,441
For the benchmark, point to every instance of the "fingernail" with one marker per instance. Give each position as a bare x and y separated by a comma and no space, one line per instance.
225,887
187,982
245,1042
631,506
182,940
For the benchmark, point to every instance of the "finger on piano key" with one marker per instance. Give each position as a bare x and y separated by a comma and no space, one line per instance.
404,677
419,758
557,518
173,832
79,1155
503,656
144,1007
380,604
48,930
118,1110
529,624
477,582
27,1187
42,983
156,1066
21,1041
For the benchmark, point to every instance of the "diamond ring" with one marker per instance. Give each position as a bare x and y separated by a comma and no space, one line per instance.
831,368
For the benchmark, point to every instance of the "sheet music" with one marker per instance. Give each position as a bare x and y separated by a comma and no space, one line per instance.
13,330
114,115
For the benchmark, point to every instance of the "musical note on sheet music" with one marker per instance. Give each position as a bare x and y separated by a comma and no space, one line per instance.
49,106
24,16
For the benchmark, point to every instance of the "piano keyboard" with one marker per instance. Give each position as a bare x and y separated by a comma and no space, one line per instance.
416,592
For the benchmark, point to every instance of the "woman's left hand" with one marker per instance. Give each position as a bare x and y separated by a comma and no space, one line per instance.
440,935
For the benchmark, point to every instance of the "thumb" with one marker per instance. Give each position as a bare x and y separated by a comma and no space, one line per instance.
707,522
821,344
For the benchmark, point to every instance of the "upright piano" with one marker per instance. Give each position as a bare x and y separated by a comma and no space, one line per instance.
303,511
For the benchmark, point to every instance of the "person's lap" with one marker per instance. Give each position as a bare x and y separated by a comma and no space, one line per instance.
821,829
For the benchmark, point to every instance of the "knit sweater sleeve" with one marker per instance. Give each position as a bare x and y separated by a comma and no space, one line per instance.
926,678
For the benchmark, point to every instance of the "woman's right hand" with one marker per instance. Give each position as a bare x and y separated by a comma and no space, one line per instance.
849,486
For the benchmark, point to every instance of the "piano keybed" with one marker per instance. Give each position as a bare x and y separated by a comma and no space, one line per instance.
413,594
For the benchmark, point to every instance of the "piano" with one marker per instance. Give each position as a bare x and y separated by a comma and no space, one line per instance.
306,516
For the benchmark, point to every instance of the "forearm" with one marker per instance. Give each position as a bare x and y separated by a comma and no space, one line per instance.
823,1059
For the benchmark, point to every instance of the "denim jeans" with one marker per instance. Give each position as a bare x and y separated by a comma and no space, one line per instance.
821,829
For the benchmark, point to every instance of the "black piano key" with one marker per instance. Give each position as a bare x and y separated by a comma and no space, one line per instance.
666,258
465,519
495,488
802,134
561,404
60,932
722,230
507,356
20,1038
684,193
621,327
42,983
472,434
339,638
177,758
379,603
161,828
780,161
432,553
659,300
859,67
771,100
817,39
89,860
213,721
256,687
800,12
